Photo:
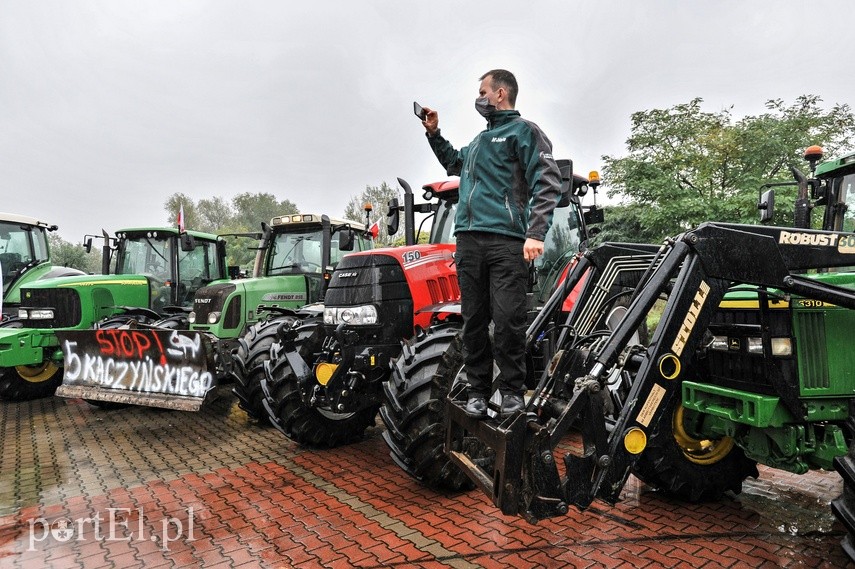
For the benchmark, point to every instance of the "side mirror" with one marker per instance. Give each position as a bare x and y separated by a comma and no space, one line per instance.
566,169
393,217
188,242
234,272
767,206
87,245
593,216
345,240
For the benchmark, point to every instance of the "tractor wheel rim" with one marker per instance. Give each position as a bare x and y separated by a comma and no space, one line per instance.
37,373
699,451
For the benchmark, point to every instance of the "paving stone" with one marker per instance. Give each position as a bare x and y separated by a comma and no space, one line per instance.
259,500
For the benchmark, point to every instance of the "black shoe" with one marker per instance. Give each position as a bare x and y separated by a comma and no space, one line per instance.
511,404
476,406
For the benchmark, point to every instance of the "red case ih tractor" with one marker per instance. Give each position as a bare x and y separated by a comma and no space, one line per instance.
324,380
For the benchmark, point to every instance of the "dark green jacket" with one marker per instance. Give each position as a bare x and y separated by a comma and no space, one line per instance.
509,181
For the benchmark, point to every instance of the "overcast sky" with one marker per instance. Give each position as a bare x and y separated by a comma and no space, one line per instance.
107,108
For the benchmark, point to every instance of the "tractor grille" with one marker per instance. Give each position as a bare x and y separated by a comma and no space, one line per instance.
813,350
736,367
211,299
375,279
362,279
443,289
64,301
232,318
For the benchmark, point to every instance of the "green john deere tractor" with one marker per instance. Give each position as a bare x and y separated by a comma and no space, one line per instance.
748,365
155,274
296,256
294,259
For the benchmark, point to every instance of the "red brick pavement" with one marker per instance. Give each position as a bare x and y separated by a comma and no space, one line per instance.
352,507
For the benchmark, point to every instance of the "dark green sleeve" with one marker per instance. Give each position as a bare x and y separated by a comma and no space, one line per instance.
542,176
451,159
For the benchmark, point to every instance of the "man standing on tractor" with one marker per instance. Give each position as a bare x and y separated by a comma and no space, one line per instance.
509,187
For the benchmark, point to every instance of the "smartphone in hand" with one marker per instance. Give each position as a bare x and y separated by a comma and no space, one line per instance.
419,111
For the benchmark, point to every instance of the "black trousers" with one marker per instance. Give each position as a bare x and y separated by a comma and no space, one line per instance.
493,277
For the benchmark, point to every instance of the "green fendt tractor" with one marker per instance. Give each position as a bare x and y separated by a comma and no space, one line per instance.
295,260
155,269
240,317
749,364
25,258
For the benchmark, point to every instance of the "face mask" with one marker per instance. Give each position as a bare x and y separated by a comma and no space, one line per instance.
484,108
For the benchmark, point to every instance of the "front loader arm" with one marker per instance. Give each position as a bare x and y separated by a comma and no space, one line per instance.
695,272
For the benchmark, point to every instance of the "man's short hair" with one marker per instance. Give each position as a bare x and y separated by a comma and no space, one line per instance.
505,79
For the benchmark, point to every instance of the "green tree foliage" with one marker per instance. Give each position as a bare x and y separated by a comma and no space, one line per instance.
214,215
685,165
251,209
66,254
623,223
243,214
173,206
378,197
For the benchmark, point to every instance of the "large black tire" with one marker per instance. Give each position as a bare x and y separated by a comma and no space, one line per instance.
308,426
174,322
618,384
615,312
414,406
27,382
253,350
843,506
689,469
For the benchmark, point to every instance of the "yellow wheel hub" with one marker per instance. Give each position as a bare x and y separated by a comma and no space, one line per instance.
699,451
37,373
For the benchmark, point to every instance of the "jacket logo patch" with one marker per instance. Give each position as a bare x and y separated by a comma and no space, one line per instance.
499,139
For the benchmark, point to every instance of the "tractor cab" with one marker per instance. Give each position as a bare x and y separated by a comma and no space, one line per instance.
22,244
444,208
440,206
176,265
569,232
24,257
837,186
298,246
830,189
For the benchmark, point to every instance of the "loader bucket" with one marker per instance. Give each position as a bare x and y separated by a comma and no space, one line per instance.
172,369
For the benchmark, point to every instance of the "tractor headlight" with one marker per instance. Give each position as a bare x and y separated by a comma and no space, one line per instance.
214,317
782,347
354,315
719,343
755,345
35,313
191,318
